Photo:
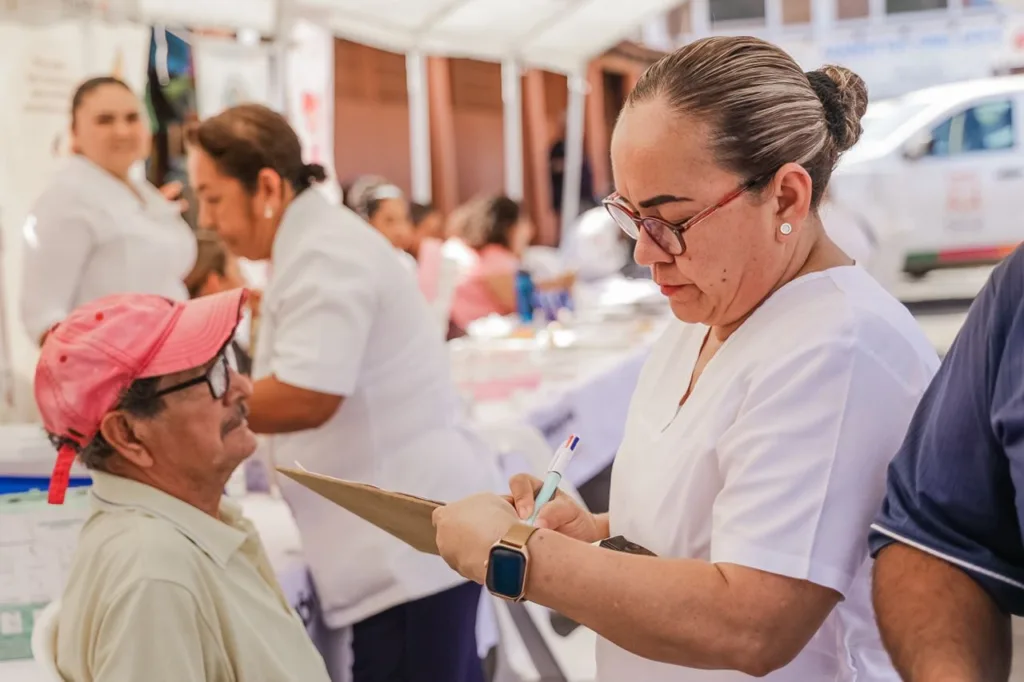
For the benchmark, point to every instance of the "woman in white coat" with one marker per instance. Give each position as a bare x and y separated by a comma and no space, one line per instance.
352,381
96,230
759,433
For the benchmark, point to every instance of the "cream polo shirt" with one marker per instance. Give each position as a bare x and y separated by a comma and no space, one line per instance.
160,590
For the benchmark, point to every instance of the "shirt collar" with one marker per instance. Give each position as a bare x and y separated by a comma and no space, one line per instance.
300,211
218,538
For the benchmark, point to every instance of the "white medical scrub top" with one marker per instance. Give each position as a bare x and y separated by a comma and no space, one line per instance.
90,235
777,460
342,315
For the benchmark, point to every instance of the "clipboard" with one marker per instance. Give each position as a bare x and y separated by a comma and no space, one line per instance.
406,517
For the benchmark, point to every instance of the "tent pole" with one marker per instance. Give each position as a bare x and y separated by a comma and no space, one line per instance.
511,97
419,125
572,176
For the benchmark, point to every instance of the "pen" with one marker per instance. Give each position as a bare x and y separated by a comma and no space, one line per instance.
554,476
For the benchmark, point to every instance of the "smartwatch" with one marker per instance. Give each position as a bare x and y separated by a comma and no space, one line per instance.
509,563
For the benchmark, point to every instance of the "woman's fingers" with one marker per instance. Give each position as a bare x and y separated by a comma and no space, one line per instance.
172,190
558,513
524,489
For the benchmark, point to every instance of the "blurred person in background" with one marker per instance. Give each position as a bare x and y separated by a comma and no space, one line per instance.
556,163
384,207
352,381
427,226
499,231
169,581
763,420
96,230
216,271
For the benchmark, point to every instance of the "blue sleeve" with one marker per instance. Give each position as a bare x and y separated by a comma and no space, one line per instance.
951,486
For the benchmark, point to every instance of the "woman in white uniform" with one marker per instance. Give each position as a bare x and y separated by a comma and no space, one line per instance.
352,379
757,441
95,230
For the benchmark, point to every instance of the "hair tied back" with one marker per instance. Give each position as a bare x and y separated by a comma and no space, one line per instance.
314,172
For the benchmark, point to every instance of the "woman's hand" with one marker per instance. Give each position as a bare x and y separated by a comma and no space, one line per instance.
172,191
255,298
561,514
466,530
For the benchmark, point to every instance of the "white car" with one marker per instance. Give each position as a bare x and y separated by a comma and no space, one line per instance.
936,180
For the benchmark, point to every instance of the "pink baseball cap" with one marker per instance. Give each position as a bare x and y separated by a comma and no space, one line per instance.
90,359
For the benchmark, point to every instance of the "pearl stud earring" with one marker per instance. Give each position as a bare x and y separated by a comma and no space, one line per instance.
785,228
268,212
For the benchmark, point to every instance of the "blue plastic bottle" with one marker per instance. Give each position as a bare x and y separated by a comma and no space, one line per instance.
524,295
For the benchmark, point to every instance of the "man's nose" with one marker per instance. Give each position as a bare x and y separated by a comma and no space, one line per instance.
241,386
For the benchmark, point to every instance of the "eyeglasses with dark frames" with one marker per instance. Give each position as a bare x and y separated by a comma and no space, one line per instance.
217,378
668,236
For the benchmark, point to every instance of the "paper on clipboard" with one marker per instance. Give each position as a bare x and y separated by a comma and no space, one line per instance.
406,517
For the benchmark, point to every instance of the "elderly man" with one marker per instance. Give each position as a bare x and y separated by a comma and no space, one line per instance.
169,581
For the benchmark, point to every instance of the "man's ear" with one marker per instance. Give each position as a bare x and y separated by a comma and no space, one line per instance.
118,430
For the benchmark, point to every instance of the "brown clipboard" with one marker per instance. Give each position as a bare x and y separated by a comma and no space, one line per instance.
406,517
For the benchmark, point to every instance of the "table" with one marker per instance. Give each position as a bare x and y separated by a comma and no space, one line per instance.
577,377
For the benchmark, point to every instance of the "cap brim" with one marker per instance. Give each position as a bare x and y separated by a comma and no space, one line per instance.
200,332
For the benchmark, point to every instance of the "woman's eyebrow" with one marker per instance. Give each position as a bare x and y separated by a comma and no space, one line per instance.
662,199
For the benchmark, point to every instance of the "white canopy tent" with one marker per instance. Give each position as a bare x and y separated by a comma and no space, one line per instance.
557,35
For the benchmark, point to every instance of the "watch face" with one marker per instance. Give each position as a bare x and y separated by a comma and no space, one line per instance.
506,572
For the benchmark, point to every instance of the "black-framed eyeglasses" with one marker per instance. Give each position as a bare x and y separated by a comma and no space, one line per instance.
217,378
668,236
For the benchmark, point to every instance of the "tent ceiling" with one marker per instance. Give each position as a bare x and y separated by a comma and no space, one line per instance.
561,35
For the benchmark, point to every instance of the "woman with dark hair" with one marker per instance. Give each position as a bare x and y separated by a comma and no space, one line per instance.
760,430
351,380
427,225
499,231
96,230
216,271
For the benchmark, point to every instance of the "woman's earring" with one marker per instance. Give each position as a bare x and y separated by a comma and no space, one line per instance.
785,228
268,212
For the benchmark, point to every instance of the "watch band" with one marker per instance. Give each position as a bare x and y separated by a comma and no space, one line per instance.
518,535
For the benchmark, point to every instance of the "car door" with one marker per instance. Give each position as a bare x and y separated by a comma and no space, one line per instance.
968,189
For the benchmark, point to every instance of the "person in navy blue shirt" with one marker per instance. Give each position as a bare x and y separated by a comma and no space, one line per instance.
949,551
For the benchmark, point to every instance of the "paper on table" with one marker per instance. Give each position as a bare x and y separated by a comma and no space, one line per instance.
406,517
37,545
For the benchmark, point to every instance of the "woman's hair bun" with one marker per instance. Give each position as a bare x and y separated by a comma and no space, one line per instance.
314,172
844,96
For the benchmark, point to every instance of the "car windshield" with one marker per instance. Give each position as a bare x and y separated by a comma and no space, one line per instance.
886,117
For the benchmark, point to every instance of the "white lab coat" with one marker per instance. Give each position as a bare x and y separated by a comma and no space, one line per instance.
777,459
90,235
343,315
